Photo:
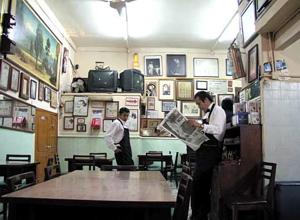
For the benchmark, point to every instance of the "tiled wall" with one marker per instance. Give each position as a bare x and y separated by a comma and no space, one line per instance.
281,127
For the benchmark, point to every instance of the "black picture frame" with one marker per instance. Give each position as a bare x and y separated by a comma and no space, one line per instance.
71,120
33,89
176,65
253,64
81,128
153,66
201,87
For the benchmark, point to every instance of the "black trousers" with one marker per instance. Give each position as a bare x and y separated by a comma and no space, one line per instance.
206,158
123,158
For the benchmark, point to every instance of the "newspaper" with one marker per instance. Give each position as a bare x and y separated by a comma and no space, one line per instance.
178,125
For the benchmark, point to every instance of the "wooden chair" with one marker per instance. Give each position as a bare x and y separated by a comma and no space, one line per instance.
259,196
18,157
172,169
54,161
3,191
99,155
21,181
119,168
183,198
151,157
52,171
80,161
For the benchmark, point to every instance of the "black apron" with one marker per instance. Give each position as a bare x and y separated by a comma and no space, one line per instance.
124,157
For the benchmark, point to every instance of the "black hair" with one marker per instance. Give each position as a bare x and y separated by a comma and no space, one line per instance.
123,110
203,95
227,104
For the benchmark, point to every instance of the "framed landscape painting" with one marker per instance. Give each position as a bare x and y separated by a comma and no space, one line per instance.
37,50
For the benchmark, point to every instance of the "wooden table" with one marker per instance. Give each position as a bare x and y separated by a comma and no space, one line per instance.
98,162
10,168
109,195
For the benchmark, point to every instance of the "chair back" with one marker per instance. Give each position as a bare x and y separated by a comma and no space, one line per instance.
186,169
52,171
183,198
18,157
99,155
56,159
119,168
79,161
152,156
21,181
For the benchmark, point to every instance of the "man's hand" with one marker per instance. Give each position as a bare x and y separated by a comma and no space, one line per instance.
118,150
195,124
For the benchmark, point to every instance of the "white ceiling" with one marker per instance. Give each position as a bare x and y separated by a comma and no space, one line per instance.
151,23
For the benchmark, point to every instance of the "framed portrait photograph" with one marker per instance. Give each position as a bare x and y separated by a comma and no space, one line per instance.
4,75
68,107
248,23
68,123
41,91
54,100
132,101
153,66
201,85
229,67
166,89
190,109
151,103
184,89
253,63
6,108
47,94
24,88
33,89
206,67
81,128
133,119
167,106
80,105
176,65
107,124
151,88
221,97
80,120
111,110
14,80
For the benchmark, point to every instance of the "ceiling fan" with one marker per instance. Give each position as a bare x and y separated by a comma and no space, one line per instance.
118,4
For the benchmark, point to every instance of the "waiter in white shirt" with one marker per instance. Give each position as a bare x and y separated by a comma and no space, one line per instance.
117,138
208,155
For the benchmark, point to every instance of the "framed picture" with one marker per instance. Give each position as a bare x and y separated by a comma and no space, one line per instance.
132,101
65,60
133,120
4,75
33,110
42,57
248,23
41,91
229,67
201,85
69,106
253,63
176,65
24,88
80,120
151,103
206,67
6,108
167,106
81,128
151,88
107,124
153,65
97,104
33,89
268,67
221,97
14,80
53,102
47,94
7,122
166,89
111,110
81,106
184,89
190,109
68,123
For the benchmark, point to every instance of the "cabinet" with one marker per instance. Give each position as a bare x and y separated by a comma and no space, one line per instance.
248,147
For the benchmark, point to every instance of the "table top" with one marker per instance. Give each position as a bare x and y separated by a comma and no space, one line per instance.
100,188
4,163
96,158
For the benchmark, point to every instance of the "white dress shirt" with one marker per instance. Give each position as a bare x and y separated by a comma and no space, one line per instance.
217,122
114,134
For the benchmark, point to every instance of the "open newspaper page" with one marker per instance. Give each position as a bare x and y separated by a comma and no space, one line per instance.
178,125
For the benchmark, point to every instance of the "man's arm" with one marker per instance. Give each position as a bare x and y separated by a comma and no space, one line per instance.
109,136
216,125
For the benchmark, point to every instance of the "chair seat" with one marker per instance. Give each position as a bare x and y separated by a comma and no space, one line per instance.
246,200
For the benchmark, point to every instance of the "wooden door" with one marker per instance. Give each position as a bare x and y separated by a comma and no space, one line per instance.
45,139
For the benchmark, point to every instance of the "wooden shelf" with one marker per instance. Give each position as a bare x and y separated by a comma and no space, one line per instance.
276,15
